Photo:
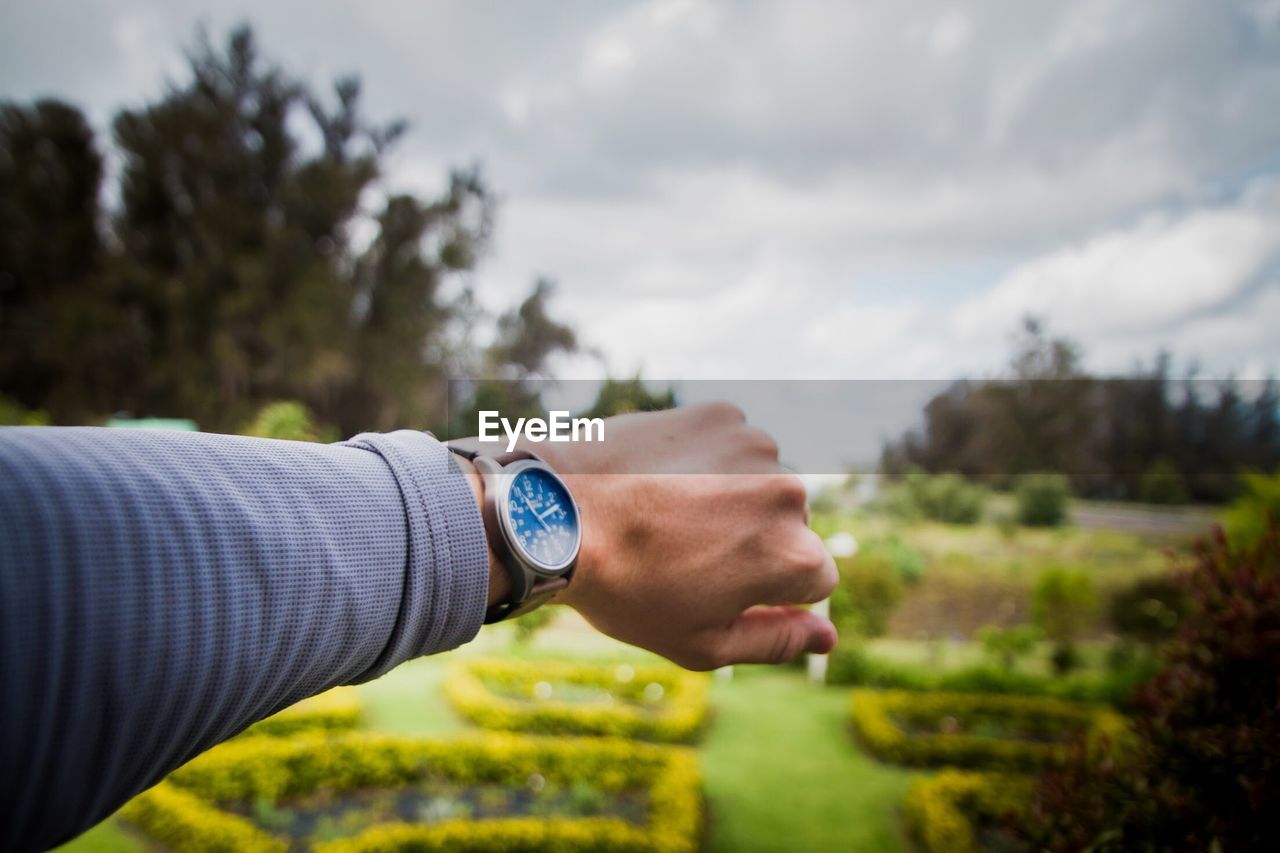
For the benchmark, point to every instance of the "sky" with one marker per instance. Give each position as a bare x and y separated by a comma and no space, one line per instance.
800,190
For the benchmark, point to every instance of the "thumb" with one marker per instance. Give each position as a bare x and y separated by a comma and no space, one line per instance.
777,635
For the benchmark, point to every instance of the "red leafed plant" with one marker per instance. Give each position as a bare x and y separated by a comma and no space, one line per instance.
1202,769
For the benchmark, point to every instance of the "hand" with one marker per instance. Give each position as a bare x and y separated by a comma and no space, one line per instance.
695,541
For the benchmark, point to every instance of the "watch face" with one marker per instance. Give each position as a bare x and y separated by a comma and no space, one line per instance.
543,518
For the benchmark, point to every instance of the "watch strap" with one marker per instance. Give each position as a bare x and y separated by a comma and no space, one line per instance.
539,594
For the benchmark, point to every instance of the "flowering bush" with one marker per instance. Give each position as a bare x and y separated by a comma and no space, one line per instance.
651,702
184,811
334,710
943,811
925,729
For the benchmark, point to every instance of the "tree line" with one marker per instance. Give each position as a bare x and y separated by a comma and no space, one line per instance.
1147,436
249,250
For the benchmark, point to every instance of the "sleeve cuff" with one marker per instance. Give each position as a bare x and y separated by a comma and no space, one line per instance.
446,583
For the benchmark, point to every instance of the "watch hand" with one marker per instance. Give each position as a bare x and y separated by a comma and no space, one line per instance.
550,510
529,504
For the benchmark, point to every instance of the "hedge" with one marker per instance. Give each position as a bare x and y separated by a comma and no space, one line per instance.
339,709
878,718
182,811
852,665
487,692
942,811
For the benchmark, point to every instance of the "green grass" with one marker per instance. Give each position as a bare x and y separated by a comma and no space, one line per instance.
783,774
107,837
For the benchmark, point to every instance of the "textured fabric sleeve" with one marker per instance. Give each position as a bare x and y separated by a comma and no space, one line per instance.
161,591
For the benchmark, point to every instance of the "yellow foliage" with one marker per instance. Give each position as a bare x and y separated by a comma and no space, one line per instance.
185,822
940,811
650,702
880,719
180,811
334,710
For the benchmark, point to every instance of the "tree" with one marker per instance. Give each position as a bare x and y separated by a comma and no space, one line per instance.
227,276
620,396
59,336
1140,435
514,365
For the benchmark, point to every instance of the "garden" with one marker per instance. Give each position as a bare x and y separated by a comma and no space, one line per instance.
545,735
1043,646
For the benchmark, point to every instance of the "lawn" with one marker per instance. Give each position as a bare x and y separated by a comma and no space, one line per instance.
781,770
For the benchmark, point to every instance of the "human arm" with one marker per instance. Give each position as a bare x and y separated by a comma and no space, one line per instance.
159,592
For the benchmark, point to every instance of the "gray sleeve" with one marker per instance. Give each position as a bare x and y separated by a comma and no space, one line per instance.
161,591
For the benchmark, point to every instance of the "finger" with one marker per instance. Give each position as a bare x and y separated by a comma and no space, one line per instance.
776,635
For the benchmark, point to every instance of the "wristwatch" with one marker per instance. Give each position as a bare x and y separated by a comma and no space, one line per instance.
533,525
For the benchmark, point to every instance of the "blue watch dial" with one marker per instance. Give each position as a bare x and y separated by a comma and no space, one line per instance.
543,517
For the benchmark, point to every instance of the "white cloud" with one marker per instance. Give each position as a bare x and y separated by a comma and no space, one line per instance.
742,188
1164,270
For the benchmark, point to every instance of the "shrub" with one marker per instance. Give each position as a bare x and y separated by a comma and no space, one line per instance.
948,498
334,710
869,590
1254,511
944,811
1008,645
183,811
529,624
1042,500
882,721
1149,610
851,664
1163,484
286,420
1064,605
13,413
1203,772
907,560
653,702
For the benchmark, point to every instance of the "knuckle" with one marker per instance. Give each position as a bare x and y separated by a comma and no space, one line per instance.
722,410
791,491
815,571
825,582
761,442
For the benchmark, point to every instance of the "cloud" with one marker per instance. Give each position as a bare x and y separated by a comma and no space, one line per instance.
1163,271
802,188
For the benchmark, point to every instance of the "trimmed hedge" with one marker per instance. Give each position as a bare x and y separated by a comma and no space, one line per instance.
854,666
182,811
942,811
876,716
676,709
339,709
